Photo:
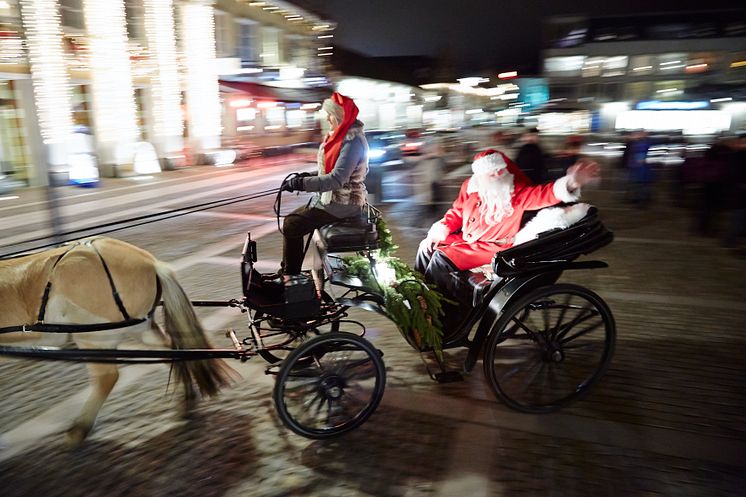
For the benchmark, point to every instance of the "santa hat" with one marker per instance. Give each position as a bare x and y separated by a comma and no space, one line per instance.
493,160
487,162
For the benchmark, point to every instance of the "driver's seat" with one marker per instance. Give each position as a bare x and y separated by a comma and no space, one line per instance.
353,234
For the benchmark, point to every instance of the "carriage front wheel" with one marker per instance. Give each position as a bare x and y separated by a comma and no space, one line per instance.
549,347
329,385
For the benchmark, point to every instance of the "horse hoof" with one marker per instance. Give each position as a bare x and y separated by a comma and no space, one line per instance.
75,436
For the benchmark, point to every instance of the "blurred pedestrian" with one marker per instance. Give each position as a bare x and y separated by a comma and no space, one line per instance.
736,194
429,169
712,178
531,158
640,173
566,157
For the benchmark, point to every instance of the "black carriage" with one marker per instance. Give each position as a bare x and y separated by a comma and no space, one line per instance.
543,343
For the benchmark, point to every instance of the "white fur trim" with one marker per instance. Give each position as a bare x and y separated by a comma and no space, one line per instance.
488,163
439,232
551,218
563,193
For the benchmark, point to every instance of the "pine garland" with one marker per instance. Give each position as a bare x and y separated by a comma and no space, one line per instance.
414,307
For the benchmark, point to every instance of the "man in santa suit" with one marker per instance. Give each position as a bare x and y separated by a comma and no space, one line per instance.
487,213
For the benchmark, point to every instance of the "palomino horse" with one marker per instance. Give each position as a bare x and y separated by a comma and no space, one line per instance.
103,280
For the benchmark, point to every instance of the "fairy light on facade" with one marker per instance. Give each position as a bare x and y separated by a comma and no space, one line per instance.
41,21
168,123
202,94
114,110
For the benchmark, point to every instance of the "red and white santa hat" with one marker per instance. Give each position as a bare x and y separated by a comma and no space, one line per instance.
487,162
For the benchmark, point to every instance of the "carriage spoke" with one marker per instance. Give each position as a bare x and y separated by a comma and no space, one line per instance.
585,314
566,339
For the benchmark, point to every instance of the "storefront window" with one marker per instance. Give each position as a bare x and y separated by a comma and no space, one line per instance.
564,66
14,153
639,90
641,65
245,119
71,12
592,66
275,119
248,42
271,49
667,90
614,66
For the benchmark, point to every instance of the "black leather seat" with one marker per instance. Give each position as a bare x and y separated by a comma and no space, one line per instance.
350,235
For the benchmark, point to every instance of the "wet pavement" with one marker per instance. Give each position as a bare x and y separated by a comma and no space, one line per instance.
667,418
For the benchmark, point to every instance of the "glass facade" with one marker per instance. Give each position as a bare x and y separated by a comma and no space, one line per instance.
14,152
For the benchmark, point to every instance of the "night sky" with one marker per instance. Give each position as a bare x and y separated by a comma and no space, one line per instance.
473,34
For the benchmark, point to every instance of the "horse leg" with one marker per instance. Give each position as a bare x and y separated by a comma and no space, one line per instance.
102,377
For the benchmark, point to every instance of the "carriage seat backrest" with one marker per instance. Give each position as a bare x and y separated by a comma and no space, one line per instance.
568,240
350,235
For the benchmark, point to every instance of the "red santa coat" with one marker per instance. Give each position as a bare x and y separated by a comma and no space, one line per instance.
472,242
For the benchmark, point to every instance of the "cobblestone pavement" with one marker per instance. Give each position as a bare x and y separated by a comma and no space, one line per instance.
667,419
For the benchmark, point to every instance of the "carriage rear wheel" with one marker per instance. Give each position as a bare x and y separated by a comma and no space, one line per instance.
549,347
329,385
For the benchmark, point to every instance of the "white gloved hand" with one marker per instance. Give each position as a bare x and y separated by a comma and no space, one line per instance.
437,233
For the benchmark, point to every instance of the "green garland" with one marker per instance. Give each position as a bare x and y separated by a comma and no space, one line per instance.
414,307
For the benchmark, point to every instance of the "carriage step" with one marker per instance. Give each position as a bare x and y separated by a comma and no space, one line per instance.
448,377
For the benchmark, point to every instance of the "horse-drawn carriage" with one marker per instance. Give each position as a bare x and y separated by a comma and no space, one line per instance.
543,343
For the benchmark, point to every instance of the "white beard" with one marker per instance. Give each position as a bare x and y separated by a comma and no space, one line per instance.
496,193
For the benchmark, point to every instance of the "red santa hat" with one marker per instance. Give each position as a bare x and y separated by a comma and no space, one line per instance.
493,160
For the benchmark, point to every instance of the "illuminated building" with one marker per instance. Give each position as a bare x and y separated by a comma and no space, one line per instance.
142,78
618,67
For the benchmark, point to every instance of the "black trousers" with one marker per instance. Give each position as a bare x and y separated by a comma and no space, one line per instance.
436,266
298,224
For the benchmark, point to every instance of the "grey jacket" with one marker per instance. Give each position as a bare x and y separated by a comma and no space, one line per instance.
342,192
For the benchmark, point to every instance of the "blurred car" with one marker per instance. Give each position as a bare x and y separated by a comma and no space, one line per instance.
413,142
383,146
384,153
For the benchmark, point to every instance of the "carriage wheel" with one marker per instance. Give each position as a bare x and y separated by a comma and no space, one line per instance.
549,347
329,385
273,356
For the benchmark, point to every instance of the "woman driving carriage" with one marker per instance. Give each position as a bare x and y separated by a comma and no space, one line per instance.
486,216
342,167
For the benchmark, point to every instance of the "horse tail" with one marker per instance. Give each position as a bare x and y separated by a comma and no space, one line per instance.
185,332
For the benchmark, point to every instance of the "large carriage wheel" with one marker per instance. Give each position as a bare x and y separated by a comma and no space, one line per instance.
329,385
549,347
273,356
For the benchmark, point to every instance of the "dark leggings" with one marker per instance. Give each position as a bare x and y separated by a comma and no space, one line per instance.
298,224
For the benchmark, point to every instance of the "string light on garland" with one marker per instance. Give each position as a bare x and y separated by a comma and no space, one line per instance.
51,82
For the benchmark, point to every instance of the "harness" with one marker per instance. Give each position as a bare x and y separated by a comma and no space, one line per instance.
41,326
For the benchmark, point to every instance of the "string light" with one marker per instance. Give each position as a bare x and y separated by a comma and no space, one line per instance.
203,96
159,29
111,77
41,21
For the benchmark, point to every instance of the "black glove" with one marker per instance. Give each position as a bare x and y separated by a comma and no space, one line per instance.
294,184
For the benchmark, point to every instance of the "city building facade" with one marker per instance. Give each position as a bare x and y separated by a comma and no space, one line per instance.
670,71
109,87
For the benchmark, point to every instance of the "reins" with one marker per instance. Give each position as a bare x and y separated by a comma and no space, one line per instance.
133,222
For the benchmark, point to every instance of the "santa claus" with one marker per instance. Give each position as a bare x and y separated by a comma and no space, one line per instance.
486,216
